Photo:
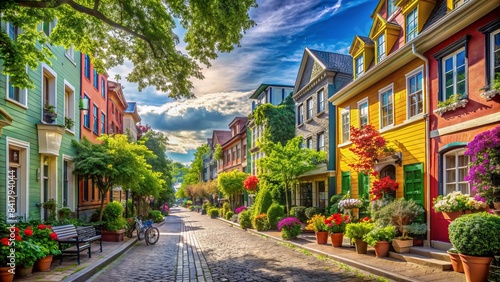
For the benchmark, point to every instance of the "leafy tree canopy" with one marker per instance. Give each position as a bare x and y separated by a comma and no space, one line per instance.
231,183
279,120
113,31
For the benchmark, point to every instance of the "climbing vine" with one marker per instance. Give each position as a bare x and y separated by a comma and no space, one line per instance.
279,120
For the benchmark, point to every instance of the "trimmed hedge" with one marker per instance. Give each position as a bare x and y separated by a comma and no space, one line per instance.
274,214
263,201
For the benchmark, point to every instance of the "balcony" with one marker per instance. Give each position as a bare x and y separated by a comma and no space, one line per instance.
49,139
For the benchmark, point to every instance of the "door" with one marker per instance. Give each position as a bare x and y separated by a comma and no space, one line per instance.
363,193
414,183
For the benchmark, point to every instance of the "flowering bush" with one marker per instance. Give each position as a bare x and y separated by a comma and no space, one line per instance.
251,183
484,172
46,239
290,227
336,223
260,222
240,209
384,187
317,223
369,146
454,201
350,204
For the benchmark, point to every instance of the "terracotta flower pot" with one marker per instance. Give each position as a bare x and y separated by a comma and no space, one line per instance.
382,249
476,268
496,205
22,272
321,237
451,216
402,246
43,264
6,275
361,246
456,262
337,239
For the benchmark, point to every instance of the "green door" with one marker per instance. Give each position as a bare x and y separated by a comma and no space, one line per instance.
346,182
414,183
363,193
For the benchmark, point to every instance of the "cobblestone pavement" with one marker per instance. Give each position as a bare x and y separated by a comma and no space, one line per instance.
193,247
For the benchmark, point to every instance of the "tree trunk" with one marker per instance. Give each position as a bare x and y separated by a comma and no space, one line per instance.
286,197
102,205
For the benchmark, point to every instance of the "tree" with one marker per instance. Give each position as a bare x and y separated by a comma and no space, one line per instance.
114,162
113,31
286,163
231,183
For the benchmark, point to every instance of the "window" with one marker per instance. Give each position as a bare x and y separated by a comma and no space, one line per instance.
321,101
391,8
305,194
17,177
87,66
345,124
96,80
321,141
363,112
454,74
103,87
300,115
112,129
70,53
309,104
86,115
386,107
49,90
495,54
415,96
346,182
455,169
309,143
322,196
69,104
380,48
49,26
96,119
103,123
359,66
412,25
15,93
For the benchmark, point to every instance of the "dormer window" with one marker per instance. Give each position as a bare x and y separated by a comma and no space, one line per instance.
412,25
360,69
391,8
385,34
380,48
362,52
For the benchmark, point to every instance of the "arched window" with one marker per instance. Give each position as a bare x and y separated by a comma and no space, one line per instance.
389,170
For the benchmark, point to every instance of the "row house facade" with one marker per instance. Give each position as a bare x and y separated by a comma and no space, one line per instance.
235,148
320,75
35,133
209,165
419,53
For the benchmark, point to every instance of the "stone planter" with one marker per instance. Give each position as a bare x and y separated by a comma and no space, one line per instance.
402,246
488,95
451,107
112,236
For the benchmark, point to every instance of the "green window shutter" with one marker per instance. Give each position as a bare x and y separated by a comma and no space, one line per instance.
363,185
346,182
414,183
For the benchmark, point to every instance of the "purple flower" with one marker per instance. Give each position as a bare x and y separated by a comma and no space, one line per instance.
288,222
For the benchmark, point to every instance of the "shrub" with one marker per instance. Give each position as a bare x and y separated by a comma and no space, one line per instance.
64,213
228,215
262,202
225,208
274,214
416,229
260,222
191,208
155,215
290,227
358,230
112,211
476,234
244,219
311,211
116,224
213,212
334,204
234,218
399,213
206,206
380,234
299,212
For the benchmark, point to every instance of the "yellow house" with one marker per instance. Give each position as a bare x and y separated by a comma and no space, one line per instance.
388,92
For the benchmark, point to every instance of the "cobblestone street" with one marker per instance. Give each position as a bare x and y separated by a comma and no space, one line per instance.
193,247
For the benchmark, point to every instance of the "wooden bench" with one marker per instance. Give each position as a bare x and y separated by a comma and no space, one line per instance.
66,234
89,234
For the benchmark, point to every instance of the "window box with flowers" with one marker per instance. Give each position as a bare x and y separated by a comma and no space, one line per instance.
492,90
454,102
455,204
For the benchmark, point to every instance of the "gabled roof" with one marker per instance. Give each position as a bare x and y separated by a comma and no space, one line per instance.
117,88
238,119
358,43
221,136
440,10
334,61
264,86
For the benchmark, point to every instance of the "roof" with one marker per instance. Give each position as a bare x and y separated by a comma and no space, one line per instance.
440,10
116,87
366,40
263,87
334,61
222,135
238,119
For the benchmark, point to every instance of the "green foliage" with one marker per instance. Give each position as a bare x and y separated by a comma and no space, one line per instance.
218,152
291,232
476,234
299,212
358,230
275,213
311,211
64,213
206,205
141,32
115,225
226,207
229,215
262,202
452,99
279,120
415,229
50,206
380,234
155,215
191,208
213,212
334,204
112,211
244,219
231,183
260,222
286,163
27,253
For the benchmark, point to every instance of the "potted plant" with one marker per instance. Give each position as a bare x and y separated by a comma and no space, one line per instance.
492,90
114,225
317,223
348,205
356,232
260,222
213,212
290,227
68,123
380,238
49,113
50,206
7,260
475,236
417,231
336,225
46,239
451,205
450,104
456,262
27,253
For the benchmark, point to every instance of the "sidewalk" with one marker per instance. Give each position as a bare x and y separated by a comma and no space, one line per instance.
389,268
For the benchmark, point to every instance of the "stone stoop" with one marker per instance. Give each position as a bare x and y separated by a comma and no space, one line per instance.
429,257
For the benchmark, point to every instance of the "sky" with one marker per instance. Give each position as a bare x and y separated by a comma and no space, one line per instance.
270,52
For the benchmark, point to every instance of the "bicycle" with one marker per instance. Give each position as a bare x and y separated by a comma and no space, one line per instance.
144,230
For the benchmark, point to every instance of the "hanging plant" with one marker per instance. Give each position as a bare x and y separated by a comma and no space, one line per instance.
369,146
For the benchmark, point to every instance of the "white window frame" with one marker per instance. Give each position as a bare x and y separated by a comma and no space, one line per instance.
443,74
23,94
381,47
69,106
408,76
71,181
309,108
24,163
381,92
346,126
321,142
300,114
96,119
414,32
70,54
321,101
492,54
52,88
52,25
359,66
103,123
456,153
309,143
360,103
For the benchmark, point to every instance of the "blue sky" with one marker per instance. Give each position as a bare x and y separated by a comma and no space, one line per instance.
270,52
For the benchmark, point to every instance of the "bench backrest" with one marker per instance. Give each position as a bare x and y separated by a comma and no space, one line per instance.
86,231
65,231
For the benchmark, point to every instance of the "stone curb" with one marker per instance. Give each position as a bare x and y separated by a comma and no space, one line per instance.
372,270
89,271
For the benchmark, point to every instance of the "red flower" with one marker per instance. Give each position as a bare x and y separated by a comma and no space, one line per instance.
41,226
5,241
29,227
28,232
16,230
251,183
53,236
365,219
48,226
18,238
384,186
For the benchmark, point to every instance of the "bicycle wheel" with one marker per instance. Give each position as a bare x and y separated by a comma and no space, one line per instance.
130,232
140,232
152,235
